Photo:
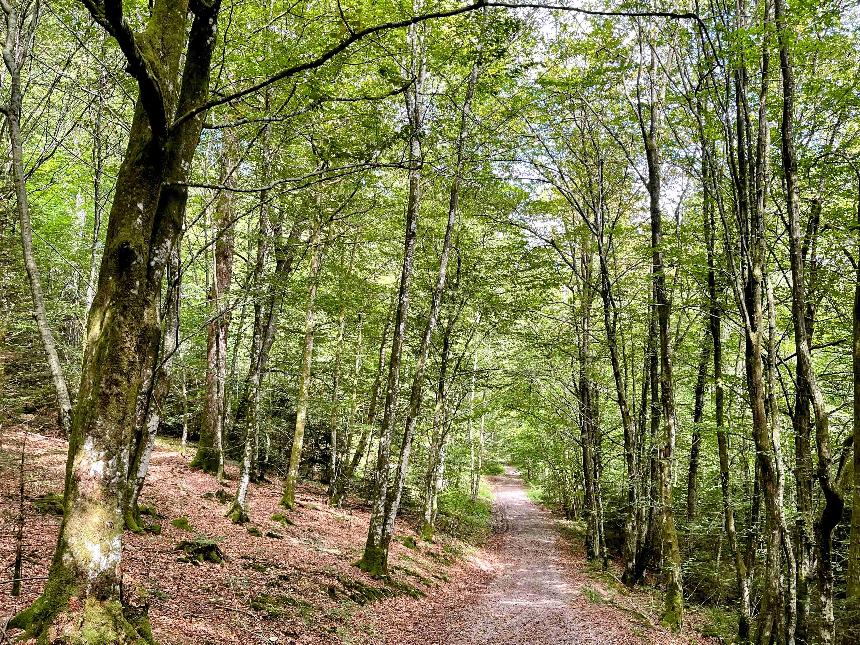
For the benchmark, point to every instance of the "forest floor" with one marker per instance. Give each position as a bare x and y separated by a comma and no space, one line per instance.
290,578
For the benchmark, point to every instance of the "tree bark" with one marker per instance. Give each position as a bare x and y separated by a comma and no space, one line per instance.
345,477
247,410
377,563
337,450
673,610
833,502
853,580
696,443
375,557
210,449
288,500
123,330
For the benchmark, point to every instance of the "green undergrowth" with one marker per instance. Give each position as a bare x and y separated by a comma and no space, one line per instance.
536,493
49,504
463,518
493,468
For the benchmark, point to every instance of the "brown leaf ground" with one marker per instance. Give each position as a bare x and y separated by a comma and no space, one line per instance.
297,584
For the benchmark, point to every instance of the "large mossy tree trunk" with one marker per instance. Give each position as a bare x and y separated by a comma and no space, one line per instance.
152,397
81,602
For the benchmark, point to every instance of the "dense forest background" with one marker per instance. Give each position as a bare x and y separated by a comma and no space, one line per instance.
389,246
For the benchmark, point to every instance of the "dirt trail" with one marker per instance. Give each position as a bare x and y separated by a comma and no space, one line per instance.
539,596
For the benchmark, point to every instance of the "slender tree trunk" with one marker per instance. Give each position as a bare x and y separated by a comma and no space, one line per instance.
337,452
650,551
375,557
696,443
342,482
832,512
853,580
673,610
20,33
587,408
344,473
436,454
288,499
210,449
628,422
247,411
474,446
715,316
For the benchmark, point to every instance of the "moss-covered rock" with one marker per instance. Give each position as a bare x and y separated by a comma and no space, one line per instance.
181,523
49,504
282,518
275,605
201,549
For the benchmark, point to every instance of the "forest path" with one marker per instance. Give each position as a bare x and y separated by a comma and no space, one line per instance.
542,593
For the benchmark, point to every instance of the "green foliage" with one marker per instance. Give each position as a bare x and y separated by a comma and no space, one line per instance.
493,468
464,518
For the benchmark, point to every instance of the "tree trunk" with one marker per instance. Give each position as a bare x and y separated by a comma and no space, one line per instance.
334,416
650,551
833,502
715,314
345,477
151,399
20,33
82,593
210,449
375,557
628,422
696,443
288,499
474,442
853,580
247,410
436,454
673,610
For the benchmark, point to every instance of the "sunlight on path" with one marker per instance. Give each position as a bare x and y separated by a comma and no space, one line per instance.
530,600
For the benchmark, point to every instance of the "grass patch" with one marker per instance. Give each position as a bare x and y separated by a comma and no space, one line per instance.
719,623
408,541
536,493
593,595
275,606
283,519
